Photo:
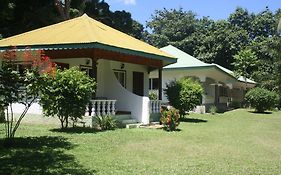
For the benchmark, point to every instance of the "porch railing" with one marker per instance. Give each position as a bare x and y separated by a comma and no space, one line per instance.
102,107
155,106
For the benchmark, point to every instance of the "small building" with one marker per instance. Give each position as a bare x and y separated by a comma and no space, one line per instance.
221,87
119,63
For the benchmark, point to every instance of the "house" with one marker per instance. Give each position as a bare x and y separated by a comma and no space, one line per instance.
119,63
221,87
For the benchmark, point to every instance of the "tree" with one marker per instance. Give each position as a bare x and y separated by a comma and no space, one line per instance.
245,62
173,27
220,43
16,87
184,94
19,16
66,95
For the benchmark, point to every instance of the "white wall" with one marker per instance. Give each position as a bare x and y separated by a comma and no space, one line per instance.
202,75
109,87
126,100
102,75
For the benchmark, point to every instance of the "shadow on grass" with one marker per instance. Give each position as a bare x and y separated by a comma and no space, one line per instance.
39,155
77,130
255,112
193,120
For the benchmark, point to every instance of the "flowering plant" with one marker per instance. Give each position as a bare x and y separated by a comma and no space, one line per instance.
170,119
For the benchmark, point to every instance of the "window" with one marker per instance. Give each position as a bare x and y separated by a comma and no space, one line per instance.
223,91
153,83
121,77
21,67
87,69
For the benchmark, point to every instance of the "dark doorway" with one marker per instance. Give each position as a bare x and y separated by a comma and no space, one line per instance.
138,83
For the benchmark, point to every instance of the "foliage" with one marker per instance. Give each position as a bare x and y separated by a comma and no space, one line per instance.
19,16
184,94
67,94
219,41
174,27
261,99
106,122
213,110
244,63
170,119
23,88
153,95
2,115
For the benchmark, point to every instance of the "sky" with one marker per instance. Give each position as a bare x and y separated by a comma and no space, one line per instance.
142,10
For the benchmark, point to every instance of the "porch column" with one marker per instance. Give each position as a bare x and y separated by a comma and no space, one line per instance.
216,94
93,74
94,68
160,84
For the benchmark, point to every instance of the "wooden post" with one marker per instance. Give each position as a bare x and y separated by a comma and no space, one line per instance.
160,84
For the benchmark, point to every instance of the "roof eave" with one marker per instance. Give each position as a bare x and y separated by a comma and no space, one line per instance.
168,60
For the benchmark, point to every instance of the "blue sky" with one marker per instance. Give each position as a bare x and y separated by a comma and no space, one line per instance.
141,10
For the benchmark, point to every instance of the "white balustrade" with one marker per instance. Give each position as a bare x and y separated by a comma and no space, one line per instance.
155,106
103,107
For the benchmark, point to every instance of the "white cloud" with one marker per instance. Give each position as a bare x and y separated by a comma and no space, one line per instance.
128,2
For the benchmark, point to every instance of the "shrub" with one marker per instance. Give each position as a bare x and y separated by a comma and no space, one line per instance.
153,96
170,119
213,110
106,122
184,94
261,99
67,95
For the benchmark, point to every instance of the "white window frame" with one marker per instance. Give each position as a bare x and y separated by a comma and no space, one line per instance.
118,74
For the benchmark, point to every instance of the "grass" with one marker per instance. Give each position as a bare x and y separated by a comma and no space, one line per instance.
236,142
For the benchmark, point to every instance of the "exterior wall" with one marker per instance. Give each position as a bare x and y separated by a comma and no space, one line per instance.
126,100
208,81
109,87
103,76
167,76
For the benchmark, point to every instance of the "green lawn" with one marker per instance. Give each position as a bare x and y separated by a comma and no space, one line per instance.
237,142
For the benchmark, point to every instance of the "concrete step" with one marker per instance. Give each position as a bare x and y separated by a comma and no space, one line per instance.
122,117
135,125
129,121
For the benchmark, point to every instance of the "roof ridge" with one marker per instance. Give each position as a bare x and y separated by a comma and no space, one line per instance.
86,21
117,31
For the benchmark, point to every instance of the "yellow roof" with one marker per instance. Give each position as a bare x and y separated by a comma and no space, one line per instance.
82,31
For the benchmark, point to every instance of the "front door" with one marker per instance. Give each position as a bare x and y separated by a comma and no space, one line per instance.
138,83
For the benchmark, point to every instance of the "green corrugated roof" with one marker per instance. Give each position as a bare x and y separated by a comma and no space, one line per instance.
187,61
184,59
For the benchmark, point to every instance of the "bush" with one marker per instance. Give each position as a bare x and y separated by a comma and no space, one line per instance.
106,122
67,95
213,110
184,94
153,96
261,99
170,119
